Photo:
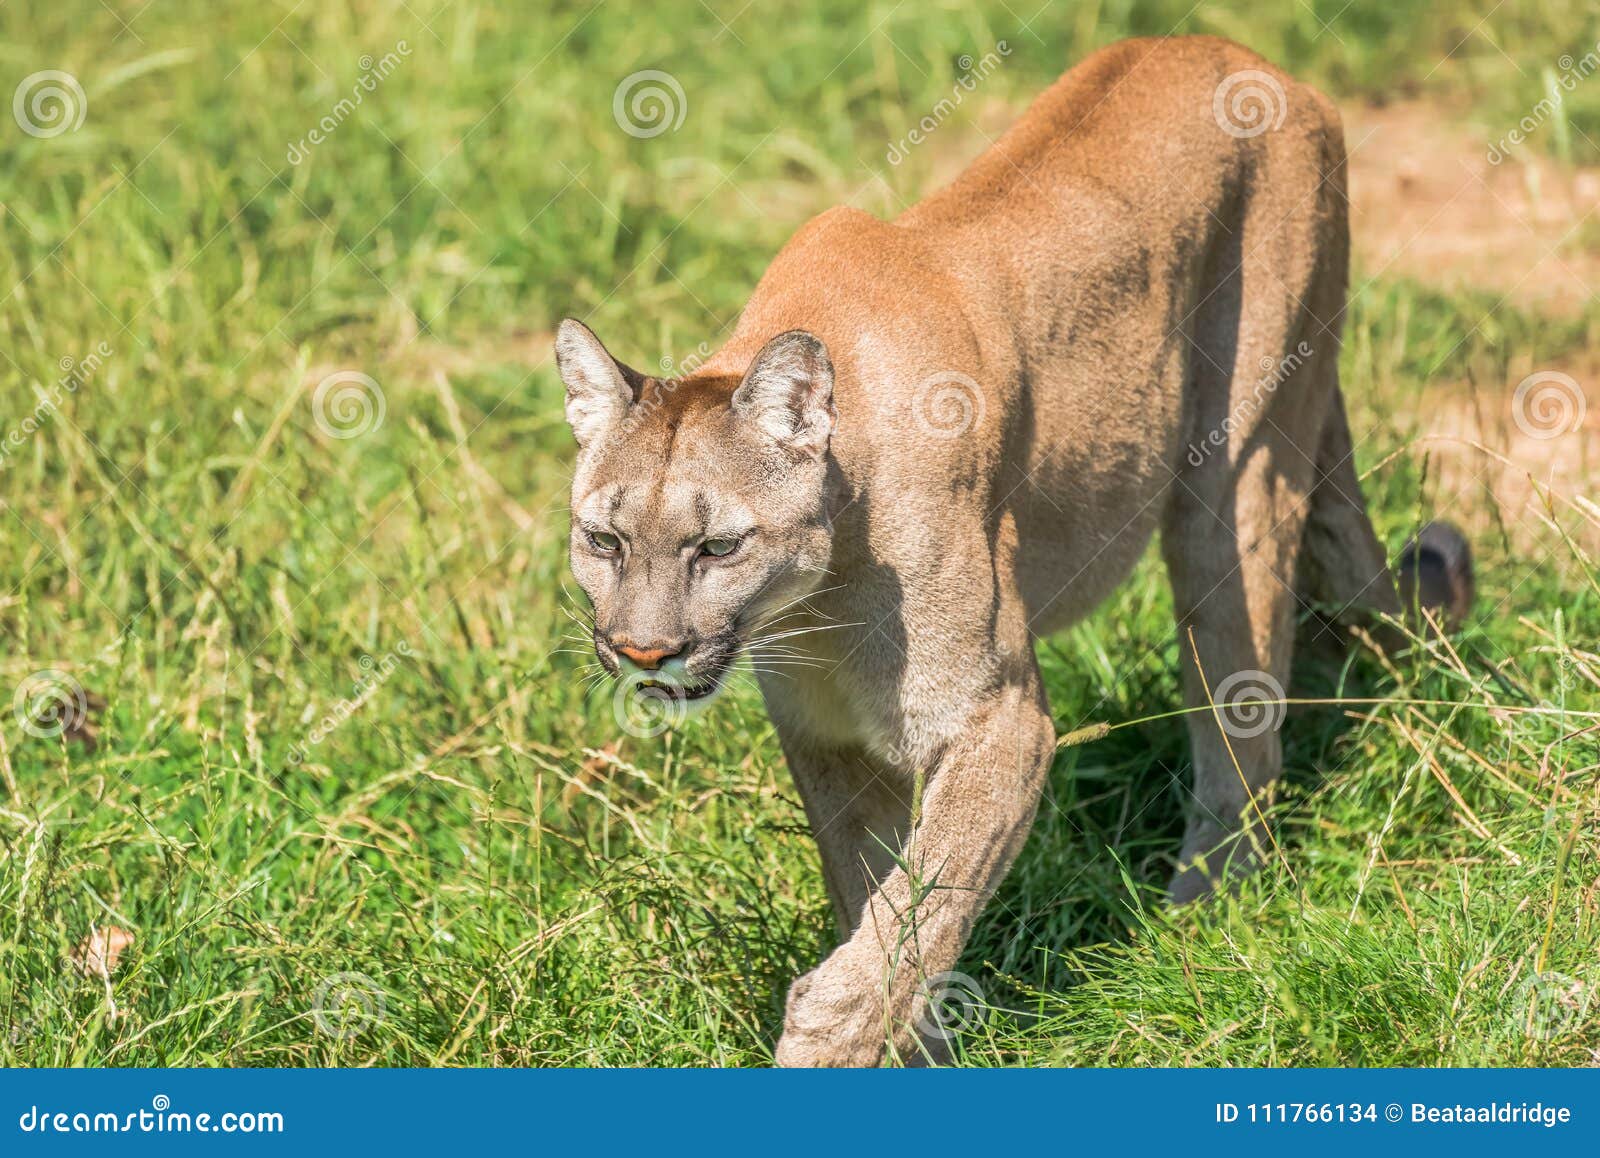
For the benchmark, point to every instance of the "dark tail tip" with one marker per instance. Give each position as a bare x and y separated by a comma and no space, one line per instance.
1435,572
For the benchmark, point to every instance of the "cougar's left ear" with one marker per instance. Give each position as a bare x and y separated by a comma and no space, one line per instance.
600,389
788,392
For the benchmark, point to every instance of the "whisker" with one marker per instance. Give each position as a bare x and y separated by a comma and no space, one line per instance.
772,615
791,633
788,661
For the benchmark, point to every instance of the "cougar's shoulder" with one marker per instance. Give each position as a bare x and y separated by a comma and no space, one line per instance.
889,308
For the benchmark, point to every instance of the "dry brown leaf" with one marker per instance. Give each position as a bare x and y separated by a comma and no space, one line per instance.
85,729
98,953
592,772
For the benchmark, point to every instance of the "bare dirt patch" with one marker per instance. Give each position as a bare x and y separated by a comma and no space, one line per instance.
1427,203
1505,459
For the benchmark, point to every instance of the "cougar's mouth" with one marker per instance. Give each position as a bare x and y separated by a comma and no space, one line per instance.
670,685
683,693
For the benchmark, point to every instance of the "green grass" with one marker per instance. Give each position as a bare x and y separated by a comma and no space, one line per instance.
183,539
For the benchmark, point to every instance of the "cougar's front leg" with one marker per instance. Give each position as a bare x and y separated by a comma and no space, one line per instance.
868,1002
859,809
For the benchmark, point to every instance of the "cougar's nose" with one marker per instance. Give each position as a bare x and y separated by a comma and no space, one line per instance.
647,657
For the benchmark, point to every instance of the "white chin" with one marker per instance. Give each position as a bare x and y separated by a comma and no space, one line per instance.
693,708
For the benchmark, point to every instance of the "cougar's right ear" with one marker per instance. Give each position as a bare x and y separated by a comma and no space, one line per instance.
788,392
599,388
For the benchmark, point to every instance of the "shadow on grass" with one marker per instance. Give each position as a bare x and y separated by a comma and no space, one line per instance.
1106,839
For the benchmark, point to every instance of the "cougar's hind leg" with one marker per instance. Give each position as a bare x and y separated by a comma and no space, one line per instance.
1345,570
1232,536
1237,519
1345,573
1234,597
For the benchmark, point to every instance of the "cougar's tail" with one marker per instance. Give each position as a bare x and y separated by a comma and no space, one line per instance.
1345,567
1435,573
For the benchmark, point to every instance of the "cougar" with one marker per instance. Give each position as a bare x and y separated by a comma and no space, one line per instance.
931,440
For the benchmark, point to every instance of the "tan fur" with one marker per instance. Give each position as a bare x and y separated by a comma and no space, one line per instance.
1108,285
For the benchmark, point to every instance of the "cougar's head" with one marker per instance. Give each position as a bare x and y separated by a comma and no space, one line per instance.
699,505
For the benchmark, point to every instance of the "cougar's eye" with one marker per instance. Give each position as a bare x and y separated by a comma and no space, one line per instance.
717,548
604,541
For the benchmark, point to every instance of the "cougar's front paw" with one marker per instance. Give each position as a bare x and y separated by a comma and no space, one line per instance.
832,1019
